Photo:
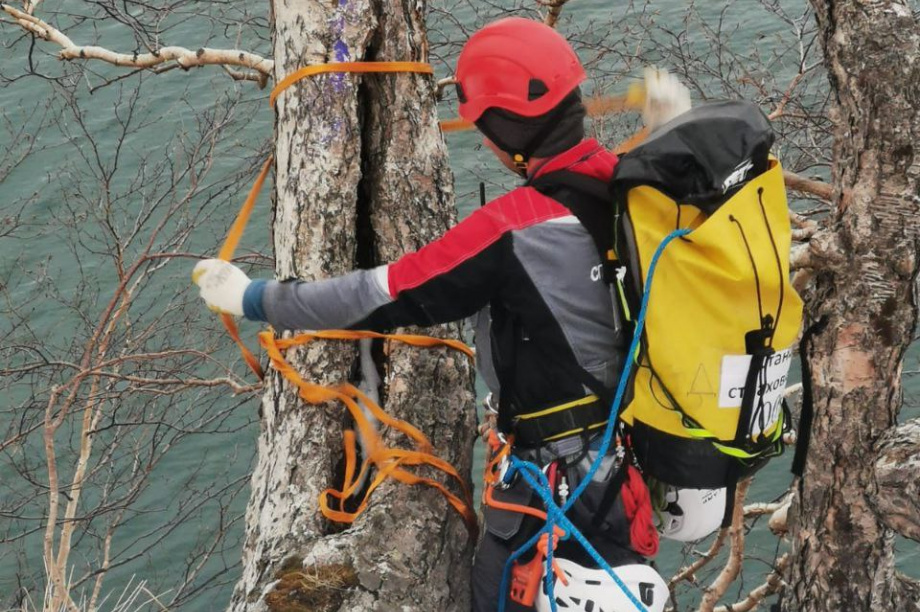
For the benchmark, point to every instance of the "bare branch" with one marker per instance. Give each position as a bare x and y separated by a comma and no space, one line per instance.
184,383
772,585
781,107
801,184
689,573
896,472
442,84
801,258
555,9
239,75
185,58
777,511
779,520
761,509
720,585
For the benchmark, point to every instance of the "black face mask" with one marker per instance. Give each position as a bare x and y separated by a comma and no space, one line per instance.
545,136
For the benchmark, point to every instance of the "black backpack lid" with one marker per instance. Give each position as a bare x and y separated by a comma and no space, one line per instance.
702,157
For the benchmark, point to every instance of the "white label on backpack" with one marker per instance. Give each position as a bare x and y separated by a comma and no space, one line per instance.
731,387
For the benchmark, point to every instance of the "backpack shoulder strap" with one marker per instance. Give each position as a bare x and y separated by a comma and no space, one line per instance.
589,200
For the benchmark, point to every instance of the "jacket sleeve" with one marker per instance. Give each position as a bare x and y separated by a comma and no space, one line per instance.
447,280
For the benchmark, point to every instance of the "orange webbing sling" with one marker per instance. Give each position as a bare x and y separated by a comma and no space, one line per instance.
226,253
388,461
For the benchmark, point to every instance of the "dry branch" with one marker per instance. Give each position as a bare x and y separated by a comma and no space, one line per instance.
555,9
442,84
776,510
185,58
761,509
801,184
720,585
801,222
801,258
898,499
689,572
779,520
772,585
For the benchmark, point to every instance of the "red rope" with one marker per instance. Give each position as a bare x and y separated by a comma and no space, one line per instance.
638,505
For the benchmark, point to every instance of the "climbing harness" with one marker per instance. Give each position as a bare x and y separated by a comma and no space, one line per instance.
534,429
389,462
532,474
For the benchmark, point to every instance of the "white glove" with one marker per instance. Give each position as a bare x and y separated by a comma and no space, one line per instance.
222,285
665,98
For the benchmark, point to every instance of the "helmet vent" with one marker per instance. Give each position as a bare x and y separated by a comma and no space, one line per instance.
536,89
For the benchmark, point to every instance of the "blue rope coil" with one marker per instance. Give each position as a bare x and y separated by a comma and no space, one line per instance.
537,481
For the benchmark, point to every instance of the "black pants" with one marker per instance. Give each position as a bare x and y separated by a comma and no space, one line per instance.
506,531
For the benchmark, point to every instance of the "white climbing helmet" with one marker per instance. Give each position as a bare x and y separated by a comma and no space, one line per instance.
691,514
593,590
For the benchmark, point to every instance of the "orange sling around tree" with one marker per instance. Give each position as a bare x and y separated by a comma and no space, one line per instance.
390,462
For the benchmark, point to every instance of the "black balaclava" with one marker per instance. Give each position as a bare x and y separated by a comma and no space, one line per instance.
547,135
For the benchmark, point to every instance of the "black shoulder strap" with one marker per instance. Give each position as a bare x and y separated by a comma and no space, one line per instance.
808,410
588,199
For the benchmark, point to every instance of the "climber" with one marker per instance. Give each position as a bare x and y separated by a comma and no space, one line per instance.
524,267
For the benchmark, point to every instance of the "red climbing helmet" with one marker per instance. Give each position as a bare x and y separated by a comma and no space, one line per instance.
518,65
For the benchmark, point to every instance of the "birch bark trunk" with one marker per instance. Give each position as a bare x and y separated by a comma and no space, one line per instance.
864,308
362,176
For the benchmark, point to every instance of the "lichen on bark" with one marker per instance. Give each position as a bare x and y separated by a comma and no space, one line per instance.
863,300
362,177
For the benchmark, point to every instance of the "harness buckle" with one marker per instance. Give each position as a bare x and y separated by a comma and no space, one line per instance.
505,480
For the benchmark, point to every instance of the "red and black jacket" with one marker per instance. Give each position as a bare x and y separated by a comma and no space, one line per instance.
529,270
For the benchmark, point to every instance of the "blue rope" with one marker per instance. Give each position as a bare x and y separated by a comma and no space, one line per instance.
556,515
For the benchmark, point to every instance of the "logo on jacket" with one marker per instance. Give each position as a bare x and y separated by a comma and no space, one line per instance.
597,272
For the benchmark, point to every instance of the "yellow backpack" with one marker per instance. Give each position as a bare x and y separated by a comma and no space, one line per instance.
705,398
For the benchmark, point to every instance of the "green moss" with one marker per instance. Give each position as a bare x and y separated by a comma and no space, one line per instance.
318,589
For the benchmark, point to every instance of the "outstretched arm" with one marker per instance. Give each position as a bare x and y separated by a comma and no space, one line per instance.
449,279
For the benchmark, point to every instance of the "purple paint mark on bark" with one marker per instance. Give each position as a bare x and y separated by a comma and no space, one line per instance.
340,53
339,48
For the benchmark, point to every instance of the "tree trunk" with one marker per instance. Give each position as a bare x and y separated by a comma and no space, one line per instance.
864,309
361,177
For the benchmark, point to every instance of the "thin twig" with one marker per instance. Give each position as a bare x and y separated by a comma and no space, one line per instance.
689,573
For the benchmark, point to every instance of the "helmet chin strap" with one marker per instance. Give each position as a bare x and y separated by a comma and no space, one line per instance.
520,163
521,158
